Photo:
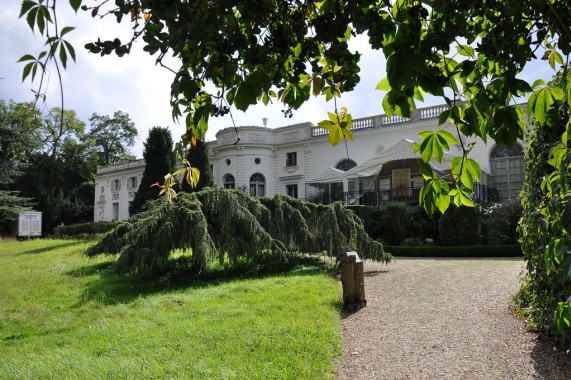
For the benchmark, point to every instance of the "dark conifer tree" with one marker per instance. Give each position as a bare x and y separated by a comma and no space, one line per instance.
159,160
198,158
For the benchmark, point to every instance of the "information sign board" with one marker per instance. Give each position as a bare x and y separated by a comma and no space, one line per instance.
30,223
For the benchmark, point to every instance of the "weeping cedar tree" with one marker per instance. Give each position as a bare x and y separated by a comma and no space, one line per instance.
213,224
159,160
197,157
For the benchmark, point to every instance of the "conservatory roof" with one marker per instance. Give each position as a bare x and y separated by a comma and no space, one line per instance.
326,176
400,150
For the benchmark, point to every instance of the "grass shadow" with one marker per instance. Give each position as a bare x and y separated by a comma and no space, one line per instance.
51,248
108,287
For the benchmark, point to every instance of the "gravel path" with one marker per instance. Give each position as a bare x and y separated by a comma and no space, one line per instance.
444,319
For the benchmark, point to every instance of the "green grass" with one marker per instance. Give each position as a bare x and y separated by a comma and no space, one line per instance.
65,316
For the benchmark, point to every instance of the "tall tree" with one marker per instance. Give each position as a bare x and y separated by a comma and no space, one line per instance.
55,131
159,161
113,136
197,157
18,139
60,171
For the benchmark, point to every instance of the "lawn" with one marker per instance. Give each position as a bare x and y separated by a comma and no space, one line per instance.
65,316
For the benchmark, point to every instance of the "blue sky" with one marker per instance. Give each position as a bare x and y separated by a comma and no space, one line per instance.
135,85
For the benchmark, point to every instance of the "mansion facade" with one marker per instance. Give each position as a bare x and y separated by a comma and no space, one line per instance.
379,166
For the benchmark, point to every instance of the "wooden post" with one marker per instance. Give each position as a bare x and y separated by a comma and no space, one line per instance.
352,279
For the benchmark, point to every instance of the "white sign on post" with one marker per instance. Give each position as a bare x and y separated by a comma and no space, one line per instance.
30,223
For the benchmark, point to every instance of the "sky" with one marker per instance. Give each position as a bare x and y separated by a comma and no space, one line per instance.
134,84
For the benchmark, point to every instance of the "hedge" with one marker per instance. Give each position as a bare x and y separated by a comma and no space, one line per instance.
90,228
512,250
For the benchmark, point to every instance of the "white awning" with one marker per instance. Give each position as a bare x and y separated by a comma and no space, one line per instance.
327,176
401,150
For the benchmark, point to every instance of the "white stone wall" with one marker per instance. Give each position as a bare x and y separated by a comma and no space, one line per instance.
105,194
314,154
270,148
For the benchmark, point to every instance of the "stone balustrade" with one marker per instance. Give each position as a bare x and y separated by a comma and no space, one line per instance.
383,120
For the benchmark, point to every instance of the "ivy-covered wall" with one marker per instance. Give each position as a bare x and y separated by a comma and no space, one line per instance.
546,283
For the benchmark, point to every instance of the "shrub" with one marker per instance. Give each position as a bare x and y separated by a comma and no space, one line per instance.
513,250
421,225
500,221
90,228
460,226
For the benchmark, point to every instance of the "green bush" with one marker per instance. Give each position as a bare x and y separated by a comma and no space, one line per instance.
422,226
460,226
401,224
500,221
90,228
395,222
513,250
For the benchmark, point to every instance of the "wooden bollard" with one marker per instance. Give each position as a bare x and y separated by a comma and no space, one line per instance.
353,280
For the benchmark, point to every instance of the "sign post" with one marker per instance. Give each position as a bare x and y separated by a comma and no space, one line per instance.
30,224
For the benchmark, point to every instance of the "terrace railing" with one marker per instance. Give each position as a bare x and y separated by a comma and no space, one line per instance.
384,120
409,195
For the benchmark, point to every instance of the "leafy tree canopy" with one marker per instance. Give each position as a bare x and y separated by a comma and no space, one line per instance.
55,131
113,136
468,52
18,137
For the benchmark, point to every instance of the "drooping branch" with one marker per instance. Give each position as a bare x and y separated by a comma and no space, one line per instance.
216,224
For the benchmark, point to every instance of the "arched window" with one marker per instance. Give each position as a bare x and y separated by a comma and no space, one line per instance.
229,182
507,170
346,164
257,185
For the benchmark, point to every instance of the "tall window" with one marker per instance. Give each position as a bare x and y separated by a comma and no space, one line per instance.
346,164
116,185
132,183
507,170
257,185
229,182
291,190
291,159
115,211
